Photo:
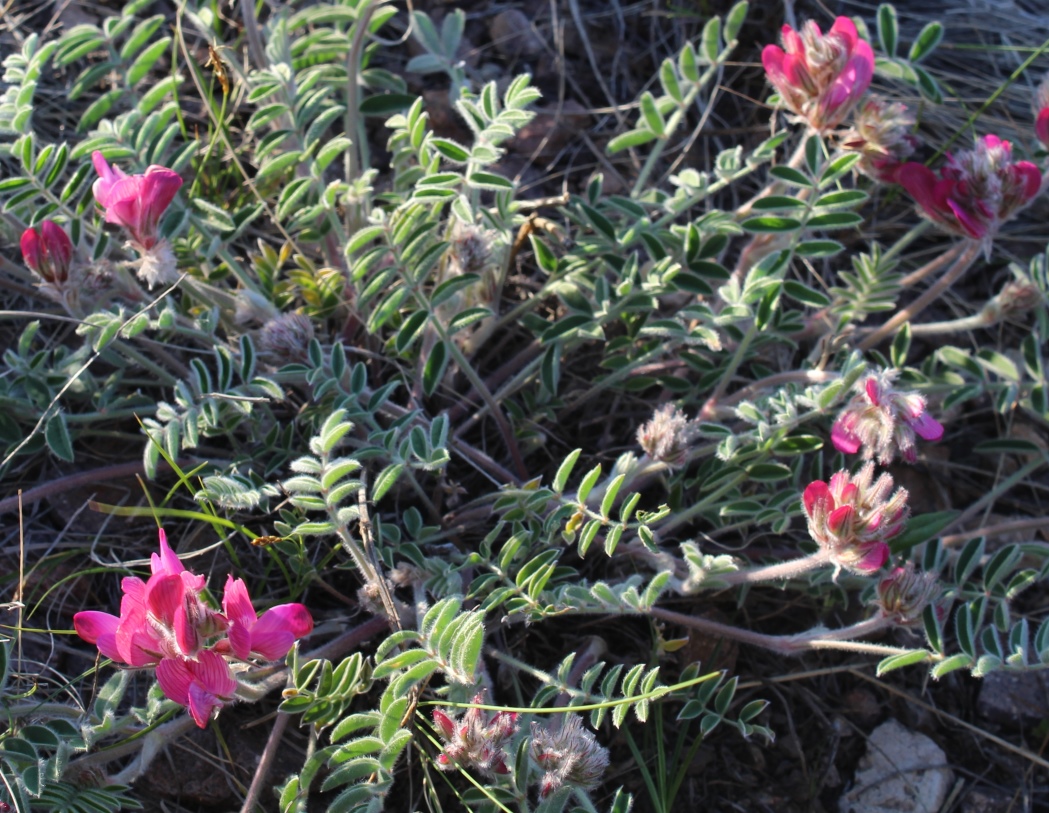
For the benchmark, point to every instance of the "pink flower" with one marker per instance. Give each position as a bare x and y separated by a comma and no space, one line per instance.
976,191
204,684
883,420
474,741
820,78
270,635
135,202
852,517
48,252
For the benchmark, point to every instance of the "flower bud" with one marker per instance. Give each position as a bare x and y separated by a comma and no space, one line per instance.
48,252
570,754
904,593
882,135
1041,111
474,741
668,436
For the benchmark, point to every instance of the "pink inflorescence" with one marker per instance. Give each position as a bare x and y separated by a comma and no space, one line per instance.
852,517
976,191
136,203
475,740
164,623
882,420
820,77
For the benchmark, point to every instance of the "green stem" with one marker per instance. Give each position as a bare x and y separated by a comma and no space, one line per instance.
673,123
685,516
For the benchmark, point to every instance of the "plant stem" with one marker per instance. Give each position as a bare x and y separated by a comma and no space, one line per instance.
790,644
961,265
783,570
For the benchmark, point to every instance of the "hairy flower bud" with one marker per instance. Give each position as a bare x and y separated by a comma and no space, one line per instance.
667,436
883,421
976,191
881,133
904,593
852,518
569,754
286,338
820,77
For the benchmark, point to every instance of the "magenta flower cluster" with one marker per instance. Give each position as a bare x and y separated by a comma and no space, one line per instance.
164,623
852,518
820,77
475,741
975,191
882,420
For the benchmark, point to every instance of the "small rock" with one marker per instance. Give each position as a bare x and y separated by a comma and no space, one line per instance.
514,37
901,771
1014,698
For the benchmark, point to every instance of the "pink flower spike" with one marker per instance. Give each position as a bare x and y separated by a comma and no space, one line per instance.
976,190
883,421
820,77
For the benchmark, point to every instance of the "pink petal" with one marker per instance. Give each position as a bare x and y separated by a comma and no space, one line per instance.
843,438
101,629
772,58
241,616
874,559
167,561
873,390
973,227
212,672
1030,177
174,678
920,182
926,426
846,28
107,176
792,40
164,597
278,628
32,249
161,186
186,633
816,493
839,519
201,704
993,141
444,724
